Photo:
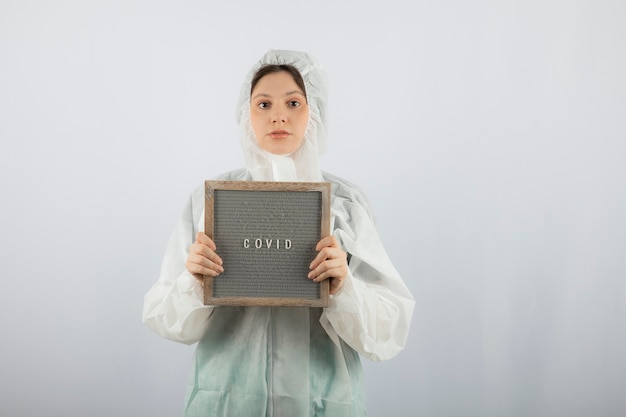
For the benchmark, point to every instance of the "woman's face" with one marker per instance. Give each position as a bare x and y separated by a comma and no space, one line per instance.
279,113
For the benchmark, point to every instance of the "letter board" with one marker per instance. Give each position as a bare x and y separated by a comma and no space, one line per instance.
266,233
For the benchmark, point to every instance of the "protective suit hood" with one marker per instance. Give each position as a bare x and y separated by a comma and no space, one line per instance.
303,164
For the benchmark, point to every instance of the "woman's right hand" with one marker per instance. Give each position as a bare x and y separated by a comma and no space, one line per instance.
202,259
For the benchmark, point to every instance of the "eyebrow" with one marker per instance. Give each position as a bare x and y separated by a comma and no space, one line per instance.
288,93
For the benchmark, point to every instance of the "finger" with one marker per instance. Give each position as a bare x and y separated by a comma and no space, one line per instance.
333,273
328,241
210,255
200,264
205,240
194,265
332,268
204,246
199,272
327,253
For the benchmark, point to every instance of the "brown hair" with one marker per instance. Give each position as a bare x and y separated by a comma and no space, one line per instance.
273,68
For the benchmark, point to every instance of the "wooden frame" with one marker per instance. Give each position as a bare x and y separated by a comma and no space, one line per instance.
265,233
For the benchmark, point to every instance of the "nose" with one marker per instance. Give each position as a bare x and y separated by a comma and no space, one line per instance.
279,117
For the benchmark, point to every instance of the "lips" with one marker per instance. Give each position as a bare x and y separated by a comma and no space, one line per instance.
279,134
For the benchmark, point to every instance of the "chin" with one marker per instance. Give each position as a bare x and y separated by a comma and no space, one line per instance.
280,150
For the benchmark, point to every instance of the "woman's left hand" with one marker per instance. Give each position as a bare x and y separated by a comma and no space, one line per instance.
331,262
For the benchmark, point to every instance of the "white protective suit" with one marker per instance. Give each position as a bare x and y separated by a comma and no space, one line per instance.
285,361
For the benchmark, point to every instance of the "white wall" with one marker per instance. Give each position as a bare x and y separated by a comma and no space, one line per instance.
488,135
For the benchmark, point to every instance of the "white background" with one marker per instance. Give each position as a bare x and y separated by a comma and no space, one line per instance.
489,136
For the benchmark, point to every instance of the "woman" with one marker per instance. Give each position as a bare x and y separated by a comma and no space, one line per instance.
284,361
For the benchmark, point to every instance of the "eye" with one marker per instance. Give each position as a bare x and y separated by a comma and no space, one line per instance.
263,105
294,103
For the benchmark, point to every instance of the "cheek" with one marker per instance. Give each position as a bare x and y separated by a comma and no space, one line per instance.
304,122
254,121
